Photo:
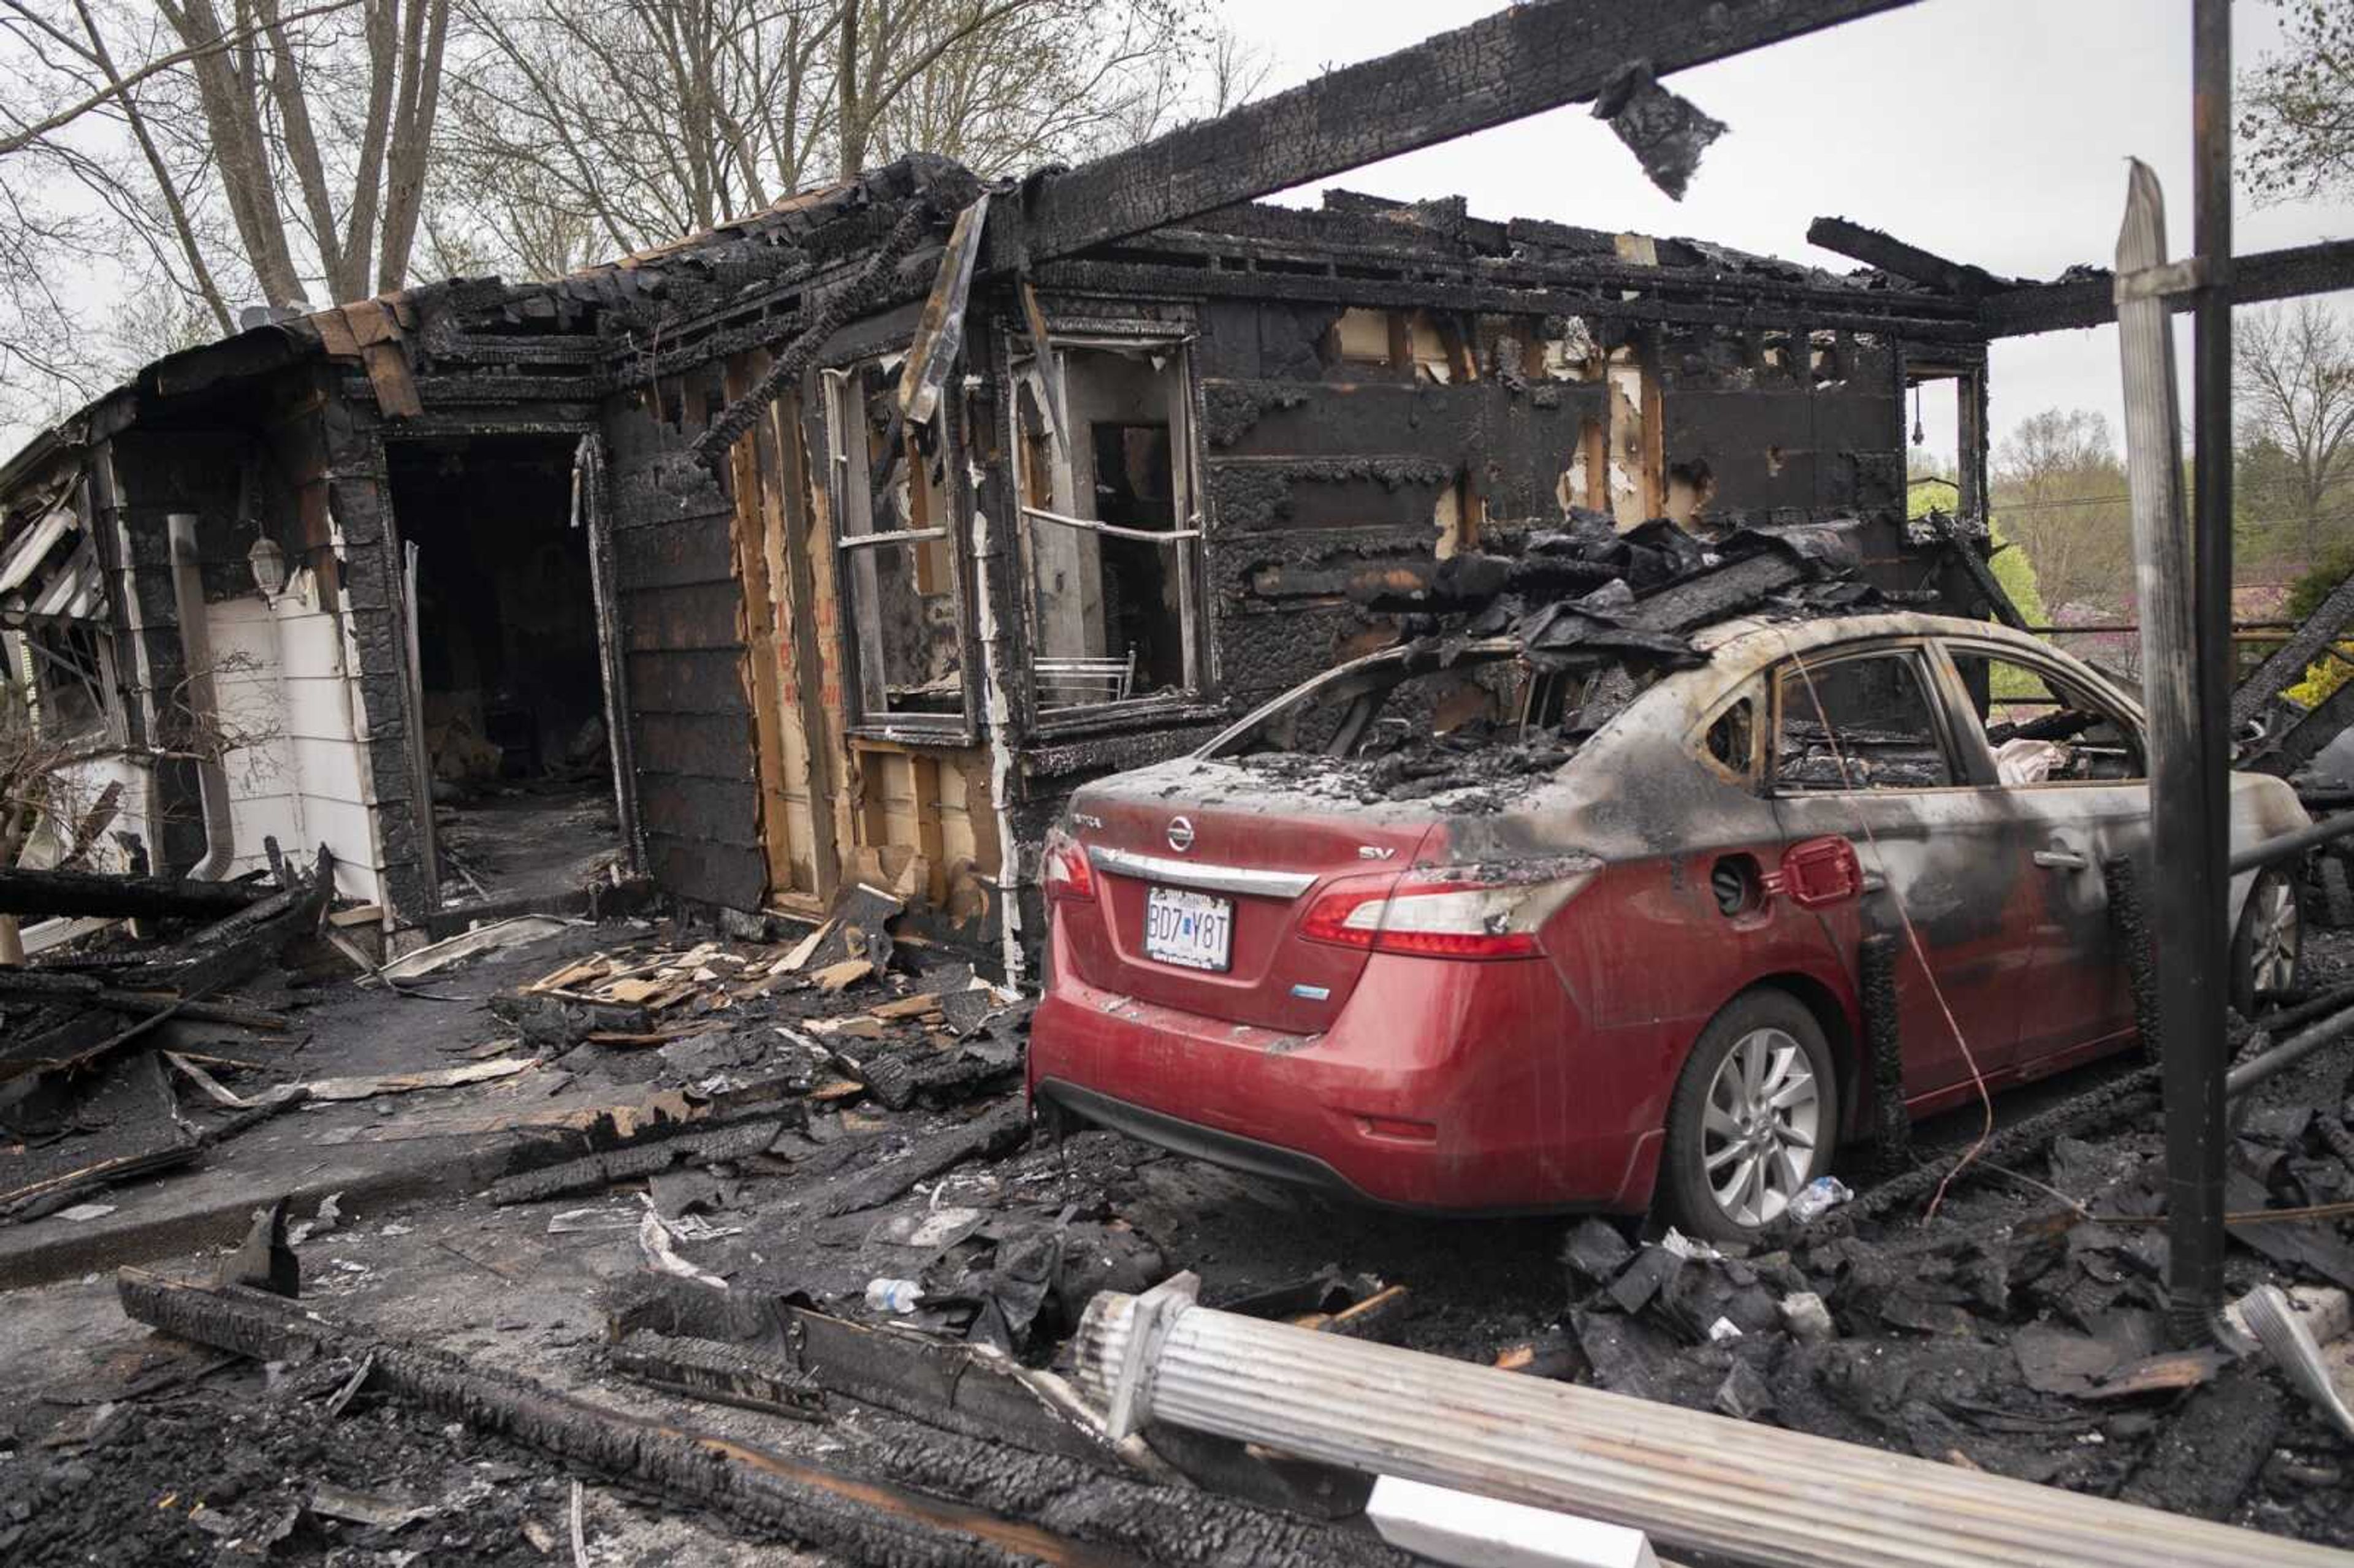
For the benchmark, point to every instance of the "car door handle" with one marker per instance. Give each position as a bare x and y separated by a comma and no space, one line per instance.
2061,859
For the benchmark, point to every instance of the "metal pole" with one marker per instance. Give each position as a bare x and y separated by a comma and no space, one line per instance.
2288,1054
2194,1074
1691,1480
2327,830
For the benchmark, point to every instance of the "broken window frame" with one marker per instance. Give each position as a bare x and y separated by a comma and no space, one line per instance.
1752,691
1918,366
43,672
1962,765
849,496
2063,685
1026,373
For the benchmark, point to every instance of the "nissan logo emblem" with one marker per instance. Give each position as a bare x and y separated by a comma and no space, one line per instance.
1180,835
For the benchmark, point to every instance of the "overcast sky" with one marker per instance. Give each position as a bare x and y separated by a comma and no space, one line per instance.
1992,131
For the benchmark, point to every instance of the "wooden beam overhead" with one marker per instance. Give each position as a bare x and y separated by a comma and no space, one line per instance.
2091,301
1891,255
1516,63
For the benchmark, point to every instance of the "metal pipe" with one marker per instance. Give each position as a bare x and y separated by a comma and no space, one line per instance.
1692,1480
2288,1052
2305,1011
2321,833
197,655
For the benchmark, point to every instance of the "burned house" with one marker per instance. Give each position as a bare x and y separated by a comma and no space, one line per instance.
832,547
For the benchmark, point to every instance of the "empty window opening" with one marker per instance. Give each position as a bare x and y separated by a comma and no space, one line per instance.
1732,739
891,498
1945,424
510,685
65,675
1858,723
1109,526
2045,730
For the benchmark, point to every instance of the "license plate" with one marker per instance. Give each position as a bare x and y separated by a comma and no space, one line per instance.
1192,930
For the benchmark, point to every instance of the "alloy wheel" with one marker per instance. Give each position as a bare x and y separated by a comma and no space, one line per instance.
1759,1129
2279,934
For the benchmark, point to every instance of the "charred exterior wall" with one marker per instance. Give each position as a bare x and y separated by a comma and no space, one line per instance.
1336,437
679,607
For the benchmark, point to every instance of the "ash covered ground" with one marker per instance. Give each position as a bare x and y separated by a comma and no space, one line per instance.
2018,1330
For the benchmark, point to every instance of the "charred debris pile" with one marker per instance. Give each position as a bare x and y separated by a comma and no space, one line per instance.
1594,615
88,1094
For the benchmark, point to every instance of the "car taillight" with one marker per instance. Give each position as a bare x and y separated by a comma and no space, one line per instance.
1069,875
1448,911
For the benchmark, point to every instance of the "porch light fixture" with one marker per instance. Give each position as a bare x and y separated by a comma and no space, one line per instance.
268,564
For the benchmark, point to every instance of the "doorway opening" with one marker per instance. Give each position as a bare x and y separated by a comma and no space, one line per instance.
508,688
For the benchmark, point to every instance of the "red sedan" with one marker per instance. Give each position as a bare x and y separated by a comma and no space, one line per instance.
1450,928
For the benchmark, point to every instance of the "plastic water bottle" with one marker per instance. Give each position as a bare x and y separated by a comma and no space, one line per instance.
892,1295
1818,1197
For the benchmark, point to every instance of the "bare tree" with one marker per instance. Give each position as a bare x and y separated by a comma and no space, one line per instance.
2292,380
189,155
578,132
2059,493
2297,122
255,96
583,130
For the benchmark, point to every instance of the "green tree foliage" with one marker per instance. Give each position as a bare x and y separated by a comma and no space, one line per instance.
2059,494
2296,123
2012,569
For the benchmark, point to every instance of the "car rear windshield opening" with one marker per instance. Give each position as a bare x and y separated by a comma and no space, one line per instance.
1431,721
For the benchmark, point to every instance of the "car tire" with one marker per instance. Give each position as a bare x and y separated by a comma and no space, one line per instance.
2268,944
1725,1136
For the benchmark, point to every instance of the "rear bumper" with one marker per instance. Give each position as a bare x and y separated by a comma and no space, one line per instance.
1471,1088
1226,1148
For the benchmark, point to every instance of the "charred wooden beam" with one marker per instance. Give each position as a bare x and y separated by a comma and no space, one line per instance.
595,1172
712,1369
1890,254
2286,665
2091,300
229,950
90,990
864,1519
865,288
1502,67
1178,1525
993,1133
940,1381
2302,736
1963,551
85,893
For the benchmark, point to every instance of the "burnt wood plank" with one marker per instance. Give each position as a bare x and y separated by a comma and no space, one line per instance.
1502,67
2092,301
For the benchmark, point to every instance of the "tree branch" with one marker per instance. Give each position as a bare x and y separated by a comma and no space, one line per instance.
17,140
